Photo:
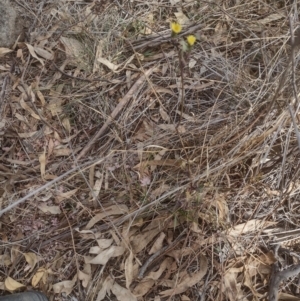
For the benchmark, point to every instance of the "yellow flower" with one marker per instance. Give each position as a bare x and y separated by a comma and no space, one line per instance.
176,28
191,39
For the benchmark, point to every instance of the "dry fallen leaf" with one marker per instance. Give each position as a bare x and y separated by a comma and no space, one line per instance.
64,286
85,275
32,259
129,270
33,53
50,209
5,260
75,52
188,279
12,285
107,63
112,210
38,276
249,226
230,287
164,115
122,293
106,287
143,287
104,243
4,51
27,108
46,54
158,243
182,19
60,196
104,256
42,160
140,241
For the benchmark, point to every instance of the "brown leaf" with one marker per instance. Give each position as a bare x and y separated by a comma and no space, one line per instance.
85,275
143,287
106,287
32,259
5,260
38,276
230,287
27,108
158,243
188,280
140,241
42,160
11,284
112,210
33,54
64,286
41,98
4,51
104,256
66,124
46,54
60,196
129,269
249,226
50,209
164,114
122,293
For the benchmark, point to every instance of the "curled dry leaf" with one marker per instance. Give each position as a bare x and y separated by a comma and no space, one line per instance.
11,284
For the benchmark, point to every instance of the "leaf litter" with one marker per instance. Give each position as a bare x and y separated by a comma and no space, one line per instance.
203,167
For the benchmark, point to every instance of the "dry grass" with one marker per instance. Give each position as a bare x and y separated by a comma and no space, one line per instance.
205,176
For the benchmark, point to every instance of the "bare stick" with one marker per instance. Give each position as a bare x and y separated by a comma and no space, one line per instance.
115,112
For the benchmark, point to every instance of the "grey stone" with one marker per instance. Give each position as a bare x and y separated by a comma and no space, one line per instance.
10,25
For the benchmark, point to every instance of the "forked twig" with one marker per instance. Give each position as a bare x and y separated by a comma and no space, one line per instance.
115,112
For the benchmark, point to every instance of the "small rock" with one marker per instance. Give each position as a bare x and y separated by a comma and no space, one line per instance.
10,26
